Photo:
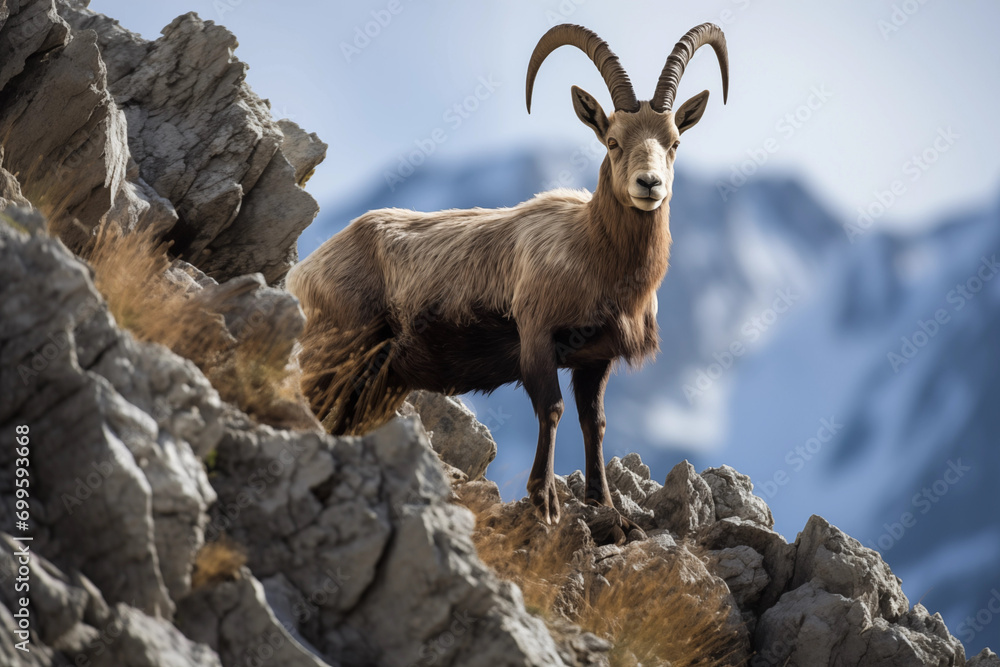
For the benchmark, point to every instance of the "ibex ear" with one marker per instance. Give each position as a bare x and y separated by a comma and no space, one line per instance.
690,112
590,112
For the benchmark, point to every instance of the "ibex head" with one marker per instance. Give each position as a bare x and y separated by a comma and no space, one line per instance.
641,137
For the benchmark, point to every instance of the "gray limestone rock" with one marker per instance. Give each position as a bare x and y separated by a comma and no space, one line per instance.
684,504
454,433
733,495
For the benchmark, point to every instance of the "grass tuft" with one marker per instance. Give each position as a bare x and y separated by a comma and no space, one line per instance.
655,606
254,372
217,562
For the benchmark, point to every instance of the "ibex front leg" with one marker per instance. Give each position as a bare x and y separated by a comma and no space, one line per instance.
589,383
541,380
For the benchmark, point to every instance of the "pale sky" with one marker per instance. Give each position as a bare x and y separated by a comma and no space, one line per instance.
882,92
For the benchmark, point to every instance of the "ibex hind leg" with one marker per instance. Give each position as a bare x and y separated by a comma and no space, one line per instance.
348,379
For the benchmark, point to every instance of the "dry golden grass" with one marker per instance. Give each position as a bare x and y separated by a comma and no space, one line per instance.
656,610
130,272
253,372
216,562
347,379
521,550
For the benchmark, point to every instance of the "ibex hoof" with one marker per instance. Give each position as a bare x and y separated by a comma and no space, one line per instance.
545,500
609,526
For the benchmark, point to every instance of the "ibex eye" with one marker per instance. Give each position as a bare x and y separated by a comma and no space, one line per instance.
676,144
612,144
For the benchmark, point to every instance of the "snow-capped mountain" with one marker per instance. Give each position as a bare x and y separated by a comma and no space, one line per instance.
853,380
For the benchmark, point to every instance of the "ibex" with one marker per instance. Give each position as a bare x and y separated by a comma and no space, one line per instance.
468,300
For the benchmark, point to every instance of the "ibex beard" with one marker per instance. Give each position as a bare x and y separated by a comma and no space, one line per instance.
461,301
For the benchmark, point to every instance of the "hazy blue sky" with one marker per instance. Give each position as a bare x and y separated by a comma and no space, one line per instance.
891,76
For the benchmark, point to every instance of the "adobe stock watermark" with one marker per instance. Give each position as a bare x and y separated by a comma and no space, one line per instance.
563,11
927,329
454,116
728,16
797,457
440,646
580,160
913,169
269,644
901,14
973,625
223,7
364,33
787,126
494,418
86,486
751,331
56,343
923,502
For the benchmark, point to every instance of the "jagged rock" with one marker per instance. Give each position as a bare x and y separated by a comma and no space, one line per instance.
629,509
985,658
838,563
811,626
27,28
479,496
72,624
206,142
363,552
778,555
577,485
684,504
10,190
63,130
733,496
578,648
742,569
367,521
96,501
250,309
253,242
201,138
233,618
291,608
454,433
135,132
303,150
633,462
624,480
142,641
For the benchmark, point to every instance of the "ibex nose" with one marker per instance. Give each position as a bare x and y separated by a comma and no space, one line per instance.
648,180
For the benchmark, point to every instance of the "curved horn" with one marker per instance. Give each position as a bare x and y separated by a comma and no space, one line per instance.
622,94
666,87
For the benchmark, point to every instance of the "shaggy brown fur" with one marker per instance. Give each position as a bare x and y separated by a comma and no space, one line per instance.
468,300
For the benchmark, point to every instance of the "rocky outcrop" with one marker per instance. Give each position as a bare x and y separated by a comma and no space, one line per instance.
150,489
458,438
235,620
348,533
163,134
345,537
71,618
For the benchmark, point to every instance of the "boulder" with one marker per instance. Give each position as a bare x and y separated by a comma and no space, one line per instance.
811,626
838,563
234,619
733,495
455,434
684,504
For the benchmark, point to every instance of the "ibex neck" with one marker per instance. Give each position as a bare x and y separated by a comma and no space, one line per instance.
638,240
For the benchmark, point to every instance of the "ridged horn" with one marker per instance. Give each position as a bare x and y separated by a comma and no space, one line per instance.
622,94
697,37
